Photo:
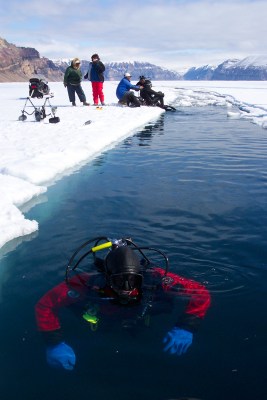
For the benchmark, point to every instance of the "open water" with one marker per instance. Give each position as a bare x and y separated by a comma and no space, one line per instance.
193,184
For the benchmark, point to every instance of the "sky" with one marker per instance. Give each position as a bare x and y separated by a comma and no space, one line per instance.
35,155
174,34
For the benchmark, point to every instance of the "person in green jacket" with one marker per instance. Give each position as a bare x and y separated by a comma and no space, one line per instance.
72,81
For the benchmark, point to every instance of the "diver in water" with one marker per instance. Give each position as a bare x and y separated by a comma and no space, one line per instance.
124,287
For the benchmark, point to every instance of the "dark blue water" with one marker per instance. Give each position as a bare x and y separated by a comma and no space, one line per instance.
194,184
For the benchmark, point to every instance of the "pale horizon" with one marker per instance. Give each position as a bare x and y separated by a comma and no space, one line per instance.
176,35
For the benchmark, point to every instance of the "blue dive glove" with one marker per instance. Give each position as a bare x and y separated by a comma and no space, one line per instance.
177,341
61,356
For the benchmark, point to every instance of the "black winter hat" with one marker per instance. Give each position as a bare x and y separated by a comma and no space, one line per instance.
122,259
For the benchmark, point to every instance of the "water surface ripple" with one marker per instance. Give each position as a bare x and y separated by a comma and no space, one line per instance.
193,184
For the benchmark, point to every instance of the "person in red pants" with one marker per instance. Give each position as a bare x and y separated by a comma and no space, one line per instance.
96,76
127,289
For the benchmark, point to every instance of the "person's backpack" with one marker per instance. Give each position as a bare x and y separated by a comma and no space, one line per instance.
38,88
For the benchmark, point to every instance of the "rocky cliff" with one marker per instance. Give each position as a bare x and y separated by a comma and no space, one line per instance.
18,64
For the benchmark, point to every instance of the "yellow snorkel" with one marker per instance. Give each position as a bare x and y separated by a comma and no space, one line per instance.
101,246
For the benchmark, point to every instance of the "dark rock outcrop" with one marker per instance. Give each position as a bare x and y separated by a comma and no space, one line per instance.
18,64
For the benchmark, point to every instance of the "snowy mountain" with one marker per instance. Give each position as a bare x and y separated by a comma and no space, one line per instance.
115,70
253,68
204,73
21,63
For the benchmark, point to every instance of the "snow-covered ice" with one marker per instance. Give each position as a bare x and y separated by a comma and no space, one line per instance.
35,154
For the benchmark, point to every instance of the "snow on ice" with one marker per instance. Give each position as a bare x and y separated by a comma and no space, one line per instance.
35,154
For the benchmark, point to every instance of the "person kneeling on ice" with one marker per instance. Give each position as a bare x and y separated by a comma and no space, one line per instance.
125,288
124,94
150,96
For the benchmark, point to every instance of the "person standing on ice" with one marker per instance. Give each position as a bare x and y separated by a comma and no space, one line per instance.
96,76
72,81
124,94
124,288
